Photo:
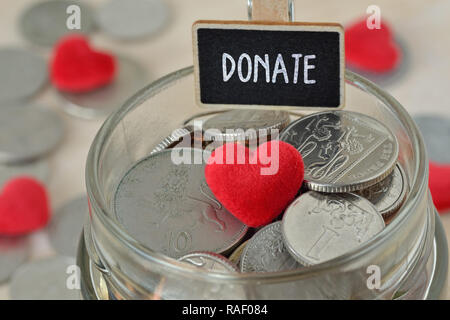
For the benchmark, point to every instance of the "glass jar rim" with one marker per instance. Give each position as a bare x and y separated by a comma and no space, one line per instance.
96,199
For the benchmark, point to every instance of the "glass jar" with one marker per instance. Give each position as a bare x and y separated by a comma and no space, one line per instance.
411,252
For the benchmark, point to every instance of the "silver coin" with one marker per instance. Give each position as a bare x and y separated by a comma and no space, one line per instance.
342,151
101,102
66,226
37,169
388,195
132,19
46,22
23,74
435,131
176,139
28,132
243,125
209,261
318,227
266,252
46,279
13,253
170,208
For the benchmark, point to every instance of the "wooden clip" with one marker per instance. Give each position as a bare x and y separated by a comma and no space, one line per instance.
271,10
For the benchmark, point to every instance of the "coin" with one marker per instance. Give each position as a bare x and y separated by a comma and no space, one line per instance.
435,131
22,74
388,195
66,226
266,252
46,22
244,125
318,227
342,151
235,257
27,132
46,279
132,18
13,253
170,208
101,102
175,139
37,169
209,261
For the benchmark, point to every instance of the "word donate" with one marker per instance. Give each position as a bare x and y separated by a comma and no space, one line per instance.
290,65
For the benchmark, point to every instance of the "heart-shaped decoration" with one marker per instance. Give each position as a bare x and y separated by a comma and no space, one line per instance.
23,207
255,186
76,67
439,183
372,50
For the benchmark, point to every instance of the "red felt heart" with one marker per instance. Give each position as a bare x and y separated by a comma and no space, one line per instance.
23,206
439,183
76,67
255,186
371,50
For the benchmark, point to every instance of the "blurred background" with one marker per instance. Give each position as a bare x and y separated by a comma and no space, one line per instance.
420,82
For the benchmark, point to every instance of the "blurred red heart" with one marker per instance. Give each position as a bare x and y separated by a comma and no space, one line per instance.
371,50
76,67
439,183
255,186
23,207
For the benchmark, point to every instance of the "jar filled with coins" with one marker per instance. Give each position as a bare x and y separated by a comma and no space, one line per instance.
156,231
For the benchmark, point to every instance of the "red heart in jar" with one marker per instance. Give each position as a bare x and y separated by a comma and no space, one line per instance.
255,186
23,207
76,67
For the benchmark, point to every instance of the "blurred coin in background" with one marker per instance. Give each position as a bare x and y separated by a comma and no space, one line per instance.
45,22
37,169
132,18
45,279
435,131
22,74
28,132
66,226
13,253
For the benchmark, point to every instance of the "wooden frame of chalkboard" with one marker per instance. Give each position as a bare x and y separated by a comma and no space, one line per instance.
210,37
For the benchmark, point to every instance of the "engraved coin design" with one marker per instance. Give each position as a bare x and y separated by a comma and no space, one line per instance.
37,169
66,226
13,253
27,133
266,252
235,257
389,194
132,19
45,22
342,151
131,77
243,125
318,227
45,279
209,261
22,74
169,207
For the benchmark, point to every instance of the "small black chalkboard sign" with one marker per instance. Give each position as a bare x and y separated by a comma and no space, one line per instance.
282,65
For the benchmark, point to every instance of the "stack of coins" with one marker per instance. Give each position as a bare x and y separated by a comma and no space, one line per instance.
353,187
